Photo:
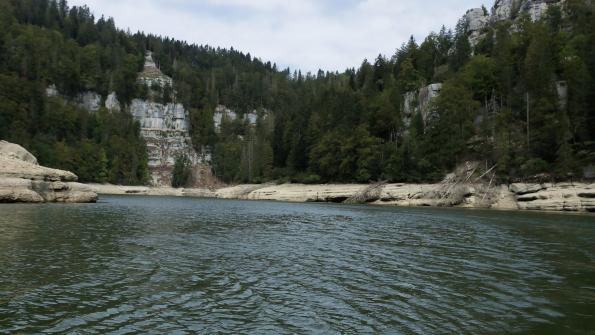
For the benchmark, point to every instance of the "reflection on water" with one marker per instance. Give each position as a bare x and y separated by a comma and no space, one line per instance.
171,265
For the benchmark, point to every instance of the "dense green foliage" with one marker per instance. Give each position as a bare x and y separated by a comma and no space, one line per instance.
98,147
182,172
349,126
314,127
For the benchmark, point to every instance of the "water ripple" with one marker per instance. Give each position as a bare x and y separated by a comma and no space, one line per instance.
184,266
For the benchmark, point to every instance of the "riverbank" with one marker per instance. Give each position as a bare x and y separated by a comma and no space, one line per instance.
568,197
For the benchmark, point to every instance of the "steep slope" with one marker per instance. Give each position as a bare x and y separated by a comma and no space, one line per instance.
165,126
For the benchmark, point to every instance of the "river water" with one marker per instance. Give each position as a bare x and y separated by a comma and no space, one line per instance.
186,266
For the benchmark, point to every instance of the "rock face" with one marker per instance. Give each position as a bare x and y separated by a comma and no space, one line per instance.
89,101
17,152
419,102
503,9
23,180
224,113
165,128
477,19
152,75
552,197
568,197
151,191
112,103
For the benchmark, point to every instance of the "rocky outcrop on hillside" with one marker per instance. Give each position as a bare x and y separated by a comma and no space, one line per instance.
23,180
89,101
478,19
510,9
165,128
419,102
152,75
223,113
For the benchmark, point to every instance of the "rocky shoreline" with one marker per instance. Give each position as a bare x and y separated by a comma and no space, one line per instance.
560,197
22,179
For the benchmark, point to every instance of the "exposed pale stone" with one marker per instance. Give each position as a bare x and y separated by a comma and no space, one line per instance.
90,101
537,9
577,197
151,191
17,152
52,91
522,189
419,102
18,190
23,180
562,90
503,9
165,128
112,103
222,113
11,167
152,75
477,20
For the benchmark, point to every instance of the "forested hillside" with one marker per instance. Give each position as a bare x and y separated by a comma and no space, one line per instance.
321,127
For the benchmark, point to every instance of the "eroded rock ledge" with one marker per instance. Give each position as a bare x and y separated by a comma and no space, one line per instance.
570,197
22,179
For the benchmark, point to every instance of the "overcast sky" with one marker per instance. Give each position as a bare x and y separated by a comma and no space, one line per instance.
302,34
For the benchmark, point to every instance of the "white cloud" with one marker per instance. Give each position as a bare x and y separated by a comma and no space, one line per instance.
304,34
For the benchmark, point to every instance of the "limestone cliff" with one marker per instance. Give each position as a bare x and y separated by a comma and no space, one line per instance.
478,19
223,113
419,102
165,126
23,180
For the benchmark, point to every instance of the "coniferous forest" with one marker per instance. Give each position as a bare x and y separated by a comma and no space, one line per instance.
499,101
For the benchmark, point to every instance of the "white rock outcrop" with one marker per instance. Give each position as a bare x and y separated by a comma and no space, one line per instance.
504,9
17,152
510,9
476,19
152,75
223,113
419,102
90,101
152,191
112,103
23,180
562,197
568,197
577,197
165,128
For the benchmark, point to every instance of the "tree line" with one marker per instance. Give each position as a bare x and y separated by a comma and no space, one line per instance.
521,99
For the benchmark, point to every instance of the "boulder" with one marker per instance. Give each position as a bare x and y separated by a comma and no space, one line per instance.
17,152
23,180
